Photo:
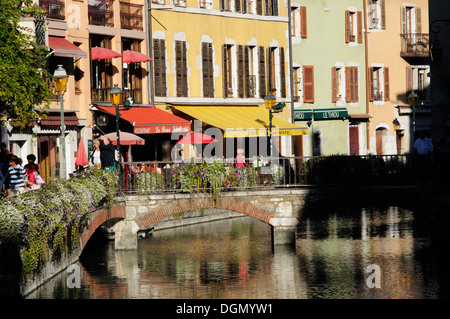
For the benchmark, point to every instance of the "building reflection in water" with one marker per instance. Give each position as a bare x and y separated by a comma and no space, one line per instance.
234,259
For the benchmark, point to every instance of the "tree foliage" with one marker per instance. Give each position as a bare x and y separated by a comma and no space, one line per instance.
23,67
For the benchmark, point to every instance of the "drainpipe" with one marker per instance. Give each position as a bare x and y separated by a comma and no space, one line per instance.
366,57
291,79
148,24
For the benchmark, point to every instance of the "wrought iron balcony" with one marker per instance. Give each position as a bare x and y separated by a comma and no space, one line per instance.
55,8
131,16
415,45
101,13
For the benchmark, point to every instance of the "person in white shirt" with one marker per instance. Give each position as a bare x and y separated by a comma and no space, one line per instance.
96,155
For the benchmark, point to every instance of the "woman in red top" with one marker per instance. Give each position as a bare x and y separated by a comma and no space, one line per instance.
30,168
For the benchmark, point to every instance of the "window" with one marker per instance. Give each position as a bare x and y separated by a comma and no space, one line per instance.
227,71
417,80
379,84
249,71
179,3
308,84
337,84
411,20
225,5
102,70
132,72
298,25
159,65
271,8
297,72
205,4
351,84
271,81
376,15
353,27
181,68
207,70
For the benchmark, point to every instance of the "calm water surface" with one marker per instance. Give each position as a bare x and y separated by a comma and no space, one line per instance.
234,259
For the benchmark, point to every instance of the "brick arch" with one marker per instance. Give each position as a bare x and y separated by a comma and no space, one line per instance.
187,205
96,219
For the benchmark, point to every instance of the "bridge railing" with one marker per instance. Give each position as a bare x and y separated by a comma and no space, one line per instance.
155,177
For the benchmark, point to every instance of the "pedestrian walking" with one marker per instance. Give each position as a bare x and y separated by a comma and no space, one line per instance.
17,177
107,153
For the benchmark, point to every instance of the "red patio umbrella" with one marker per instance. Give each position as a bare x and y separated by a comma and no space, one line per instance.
98,53
81,159
134,57
196,138
125,138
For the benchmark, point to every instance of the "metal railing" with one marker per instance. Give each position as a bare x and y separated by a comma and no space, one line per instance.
159,177
131,17
55,9
101,13
415,45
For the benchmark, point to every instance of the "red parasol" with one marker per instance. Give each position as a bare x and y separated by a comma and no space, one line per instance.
125,138
98,53
81,159
133,56
196,138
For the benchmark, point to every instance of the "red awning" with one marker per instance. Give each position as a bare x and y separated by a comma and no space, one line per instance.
98,53
56,120
134,57
150,120
62,47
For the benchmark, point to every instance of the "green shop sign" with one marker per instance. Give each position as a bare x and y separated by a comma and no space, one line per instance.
303,115
330,114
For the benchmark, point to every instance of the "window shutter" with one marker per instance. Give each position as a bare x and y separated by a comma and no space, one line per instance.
348,86
275,7
418,20
259,7
157,66
270,84
178,65
225,70
244,6
208,79
266,7
403,18
409,80
308,84
303,31
355,84
262,73
246,72
347,26
210,71
282,73
160,67
333,85
359,24
240,70
371,87
386,85
383,15
237,5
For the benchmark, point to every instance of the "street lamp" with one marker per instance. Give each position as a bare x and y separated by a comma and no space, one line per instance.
60,80
116,99
269,102
413,99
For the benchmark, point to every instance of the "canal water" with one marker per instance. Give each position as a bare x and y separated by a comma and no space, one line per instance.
369,253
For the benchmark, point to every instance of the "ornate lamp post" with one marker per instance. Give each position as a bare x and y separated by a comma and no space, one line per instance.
269,102
60,80
116,99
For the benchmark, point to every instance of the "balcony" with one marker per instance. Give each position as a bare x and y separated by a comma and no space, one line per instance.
101,13
55,9
131,16
415,45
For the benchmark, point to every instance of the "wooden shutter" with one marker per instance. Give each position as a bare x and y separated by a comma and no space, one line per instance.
347,26
333,85
409,80
275,7
387,93
208,78
259,7
303,24
359,24
240,70
181,68
354,140
371,88
351,84
262,73
270,66
418,20
403,19
348,85
355,84
383,14
225,70
159,49
237,5
246,72
308,84
282,73
266,7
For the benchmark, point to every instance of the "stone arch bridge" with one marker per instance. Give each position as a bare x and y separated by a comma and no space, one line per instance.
281,208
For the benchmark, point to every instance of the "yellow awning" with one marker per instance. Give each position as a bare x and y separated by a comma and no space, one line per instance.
242,121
